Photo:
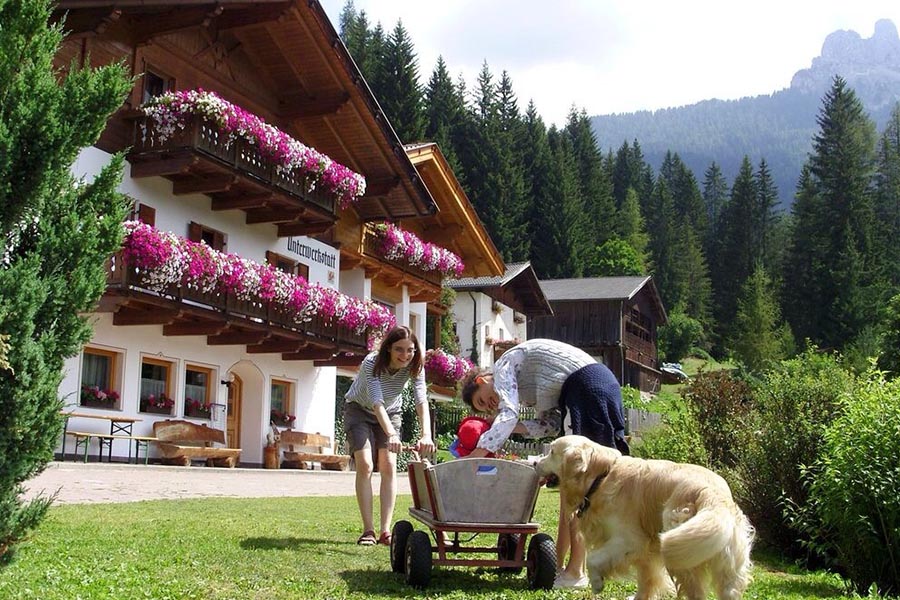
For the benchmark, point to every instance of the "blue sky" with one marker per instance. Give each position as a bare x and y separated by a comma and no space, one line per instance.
624,55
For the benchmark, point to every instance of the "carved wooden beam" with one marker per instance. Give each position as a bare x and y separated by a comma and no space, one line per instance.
309,354
381,187
341,360
444,235
154,25
291,229
194,328
276,346
173,165
232,338
204,185
273,215
242,202
137,316
305,107
83,23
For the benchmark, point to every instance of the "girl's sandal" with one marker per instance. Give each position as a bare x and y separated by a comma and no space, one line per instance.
366,539
385,539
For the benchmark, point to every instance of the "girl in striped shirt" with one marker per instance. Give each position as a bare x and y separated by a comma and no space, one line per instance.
372,421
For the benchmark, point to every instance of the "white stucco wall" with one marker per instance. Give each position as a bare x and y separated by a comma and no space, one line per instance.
313,387
477,308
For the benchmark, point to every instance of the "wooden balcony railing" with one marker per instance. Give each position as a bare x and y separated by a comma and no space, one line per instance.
207,141
122,277
372,248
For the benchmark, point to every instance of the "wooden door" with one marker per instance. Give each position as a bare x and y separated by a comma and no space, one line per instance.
233,422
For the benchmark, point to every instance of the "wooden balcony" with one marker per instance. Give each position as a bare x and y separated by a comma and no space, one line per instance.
200,159
224,319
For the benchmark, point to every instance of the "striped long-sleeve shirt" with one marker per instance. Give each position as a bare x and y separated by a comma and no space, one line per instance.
368,390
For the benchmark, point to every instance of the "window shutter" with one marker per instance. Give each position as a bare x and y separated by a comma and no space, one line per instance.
146,214
271,258
219,241
195,232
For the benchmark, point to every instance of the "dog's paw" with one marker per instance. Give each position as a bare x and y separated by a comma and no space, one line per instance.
597,583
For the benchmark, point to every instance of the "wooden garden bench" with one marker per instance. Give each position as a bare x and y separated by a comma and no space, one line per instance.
179,442
301,448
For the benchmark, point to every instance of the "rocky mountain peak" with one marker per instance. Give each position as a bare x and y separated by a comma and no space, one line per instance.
860,61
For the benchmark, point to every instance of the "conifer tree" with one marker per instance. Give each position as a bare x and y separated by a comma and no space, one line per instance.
887,201
759,336
538,174
663,230
444,111
57,234
400,93
594,185
764,218
629,225
841,168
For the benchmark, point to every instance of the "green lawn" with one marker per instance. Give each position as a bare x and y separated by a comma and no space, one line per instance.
290,548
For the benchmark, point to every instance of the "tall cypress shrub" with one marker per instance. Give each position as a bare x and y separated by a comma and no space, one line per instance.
56,234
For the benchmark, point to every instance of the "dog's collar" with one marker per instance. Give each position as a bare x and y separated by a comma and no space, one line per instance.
586,501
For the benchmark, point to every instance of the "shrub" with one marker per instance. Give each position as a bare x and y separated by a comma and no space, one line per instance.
854,508
677,439
719,403
680,335
793,403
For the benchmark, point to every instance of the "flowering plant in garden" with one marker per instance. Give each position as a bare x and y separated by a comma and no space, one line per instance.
280,417
92,394
398,244
161,401
166,259
173,110
443,366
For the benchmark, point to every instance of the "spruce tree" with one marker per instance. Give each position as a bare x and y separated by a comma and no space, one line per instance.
400,93
57,234
663,229
538,174
759,337
444,111
887,201
629,225
842,168
594,185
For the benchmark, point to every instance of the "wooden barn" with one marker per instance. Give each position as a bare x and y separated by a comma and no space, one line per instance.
614,319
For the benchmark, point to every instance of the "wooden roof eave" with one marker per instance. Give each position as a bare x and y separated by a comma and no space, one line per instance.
460,211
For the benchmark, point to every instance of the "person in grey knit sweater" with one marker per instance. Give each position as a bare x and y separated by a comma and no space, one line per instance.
554,378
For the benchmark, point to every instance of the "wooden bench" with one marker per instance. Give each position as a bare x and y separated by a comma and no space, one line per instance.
301,448
181,441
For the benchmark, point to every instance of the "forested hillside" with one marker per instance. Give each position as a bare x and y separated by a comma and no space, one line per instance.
737,276
778,127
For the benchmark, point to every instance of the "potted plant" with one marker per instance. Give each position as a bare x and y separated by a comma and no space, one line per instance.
197,408
282,418
160,405
93,396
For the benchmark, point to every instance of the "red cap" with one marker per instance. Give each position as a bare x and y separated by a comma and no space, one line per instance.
469,432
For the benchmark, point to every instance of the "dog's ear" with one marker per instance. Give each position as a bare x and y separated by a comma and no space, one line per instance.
577,457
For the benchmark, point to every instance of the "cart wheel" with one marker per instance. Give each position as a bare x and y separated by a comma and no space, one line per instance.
506,550
418,559
541,562
399,535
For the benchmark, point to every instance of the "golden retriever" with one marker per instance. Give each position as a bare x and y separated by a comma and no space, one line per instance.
663,518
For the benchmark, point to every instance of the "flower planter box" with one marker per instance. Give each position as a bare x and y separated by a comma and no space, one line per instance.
156,410
98,404
198,414
283,422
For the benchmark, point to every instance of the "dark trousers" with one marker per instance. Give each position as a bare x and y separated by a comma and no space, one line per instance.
593,399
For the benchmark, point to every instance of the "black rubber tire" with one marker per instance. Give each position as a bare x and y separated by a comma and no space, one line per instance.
399,535
418,559
541,562
506,550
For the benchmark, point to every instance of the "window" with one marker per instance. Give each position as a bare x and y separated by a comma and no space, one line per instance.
198,392
100,378
213,238
155,85
156,388
281,395
287,265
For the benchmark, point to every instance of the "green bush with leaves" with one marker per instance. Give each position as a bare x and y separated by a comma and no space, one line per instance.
793,404
719,402
853,512
677,439
680,336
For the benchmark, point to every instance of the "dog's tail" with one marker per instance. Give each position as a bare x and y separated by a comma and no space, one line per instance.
697,540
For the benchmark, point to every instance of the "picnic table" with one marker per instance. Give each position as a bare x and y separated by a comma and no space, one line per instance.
120,428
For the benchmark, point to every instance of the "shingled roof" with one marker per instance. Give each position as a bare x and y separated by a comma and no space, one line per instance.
517,288
601,288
